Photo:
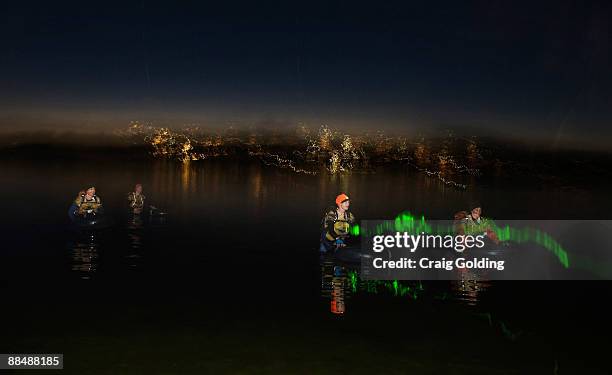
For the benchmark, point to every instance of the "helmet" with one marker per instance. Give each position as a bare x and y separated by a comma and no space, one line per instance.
341,198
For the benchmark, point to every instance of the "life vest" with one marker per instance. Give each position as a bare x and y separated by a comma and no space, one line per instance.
87,206
339,227
136,200
472,226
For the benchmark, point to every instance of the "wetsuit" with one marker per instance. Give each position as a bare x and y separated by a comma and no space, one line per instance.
136,201
335,228
88,206
470,226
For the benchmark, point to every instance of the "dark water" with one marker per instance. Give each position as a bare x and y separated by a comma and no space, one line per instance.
229,280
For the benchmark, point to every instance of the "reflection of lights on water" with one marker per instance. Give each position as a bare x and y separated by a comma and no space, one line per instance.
469,287
135,234
396,288
467,290
185,176
85,256
339,284
256,182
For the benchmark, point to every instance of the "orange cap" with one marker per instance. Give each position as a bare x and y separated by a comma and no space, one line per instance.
341,198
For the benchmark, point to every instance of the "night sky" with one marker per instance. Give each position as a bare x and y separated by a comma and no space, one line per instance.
541,71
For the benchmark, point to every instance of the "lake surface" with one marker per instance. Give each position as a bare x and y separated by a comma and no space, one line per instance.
230,279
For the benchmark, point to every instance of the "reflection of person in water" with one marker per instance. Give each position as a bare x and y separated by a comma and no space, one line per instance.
334,284
337,291
473,223
136,199
469,286
336,225
86,204
84,251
